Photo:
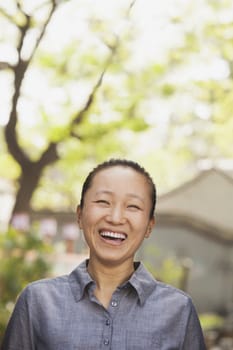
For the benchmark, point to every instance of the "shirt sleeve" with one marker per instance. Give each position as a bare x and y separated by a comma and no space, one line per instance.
194,339
19,335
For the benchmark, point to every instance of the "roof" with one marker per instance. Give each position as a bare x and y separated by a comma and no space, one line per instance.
207,201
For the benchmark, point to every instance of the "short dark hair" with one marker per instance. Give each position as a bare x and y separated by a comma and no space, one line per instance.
124,163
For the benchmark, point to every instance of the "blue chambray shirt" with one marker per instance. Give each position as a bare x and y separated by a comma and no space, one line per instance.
63,314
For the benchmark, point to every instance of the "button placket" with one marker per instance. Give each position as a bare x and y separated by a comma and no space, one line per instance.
107,330
109,316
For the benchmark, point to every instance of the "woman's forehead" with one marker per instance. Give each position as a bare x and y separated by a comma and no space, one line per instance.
119,177
118,171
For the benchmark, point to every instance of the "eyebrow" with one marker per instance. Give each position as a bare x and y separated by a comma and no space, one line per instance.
132,195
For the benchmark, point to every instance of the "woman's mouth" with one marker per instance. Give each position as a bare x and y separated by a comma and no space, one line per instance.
112,236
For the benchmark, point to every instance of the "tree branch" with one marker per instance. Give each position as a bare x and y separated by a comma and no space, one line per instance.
5,65
6,15
19,71
81,114
76,135
10,129
23,31
43,29
49,156
131,5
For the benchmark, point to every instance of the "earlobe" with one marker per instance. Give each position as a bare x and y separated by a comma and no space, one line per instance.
148,232
150,227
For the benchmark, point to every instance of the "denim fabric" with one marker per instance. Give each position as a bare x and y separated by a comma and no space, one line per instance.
63,314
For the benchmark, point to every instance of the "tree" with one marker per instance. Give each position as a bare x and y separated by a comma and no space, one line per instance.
32,166
182,95
193,99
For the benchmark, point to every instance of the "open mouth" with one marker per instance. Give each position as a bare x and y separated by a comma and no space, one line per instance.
113,236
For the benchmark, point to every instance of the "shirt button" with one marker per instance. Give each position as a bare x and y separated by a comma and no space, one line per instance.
114,303
106,341
107,322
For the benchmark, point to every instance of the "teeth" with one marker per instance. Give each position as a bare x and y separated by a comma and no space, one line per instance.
113,235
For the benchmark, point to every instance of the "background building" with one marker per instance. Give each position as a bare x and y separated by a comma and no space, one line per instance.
195,225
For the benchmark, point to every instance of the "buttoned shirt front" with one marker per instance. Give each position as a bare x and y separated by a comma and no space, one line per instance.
64,314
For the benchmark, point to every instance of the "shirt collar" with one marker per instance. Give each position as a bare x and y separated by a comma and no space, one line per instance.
141,280
79,279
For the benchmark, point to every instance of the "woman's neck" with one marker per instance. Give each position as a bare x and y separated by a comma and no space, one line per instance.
108,278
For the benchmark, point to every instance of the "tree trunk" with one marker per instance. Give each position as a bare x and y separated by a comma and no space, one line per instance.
29,179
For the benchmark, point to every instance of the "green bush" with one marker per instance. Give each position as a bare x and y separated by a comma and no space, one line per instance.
166,269
23,257
210,321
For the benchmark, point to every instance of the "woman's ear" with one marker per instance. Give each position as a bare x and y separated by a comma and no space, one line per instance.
150,227
79,214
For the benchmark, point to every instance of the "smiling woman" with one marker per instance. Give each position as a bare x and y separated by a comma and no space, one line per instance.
109,301
116,214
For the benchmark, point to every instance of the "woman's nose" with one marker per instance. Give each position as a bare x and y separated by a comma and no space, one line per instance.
116,215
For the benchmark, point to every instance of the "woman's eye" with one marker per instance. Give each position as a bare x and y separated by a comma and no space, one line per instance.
102,201
133,206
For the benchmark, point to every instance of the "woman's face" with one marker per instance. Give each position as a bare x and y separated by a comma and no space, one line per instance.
115,216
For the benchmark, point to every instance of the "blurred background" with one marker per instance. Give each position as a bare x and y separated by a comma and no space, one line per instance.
84,81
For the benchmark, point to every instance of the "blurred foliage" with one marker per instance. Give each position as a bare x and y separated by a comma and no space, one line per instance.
167,270
211,321
170,271
167,113
23,257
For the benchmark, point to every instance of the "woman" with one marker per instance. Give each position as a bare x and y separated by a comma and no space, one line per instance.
109,301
